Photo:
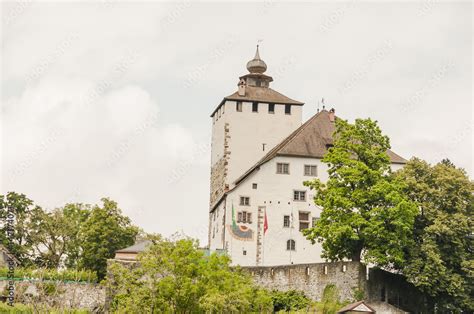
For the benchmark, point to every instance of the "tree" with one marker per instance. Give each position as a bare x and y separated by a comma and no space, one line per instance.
178,277
20,243
440,261
365,213
76,214
49,233
105,231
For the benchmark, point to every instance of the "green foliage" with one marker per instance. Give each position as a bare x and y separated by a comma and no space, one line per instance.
364,209
52,274
23,208
440,261
105,231
330,302
289,300
19,308
358,294
177,277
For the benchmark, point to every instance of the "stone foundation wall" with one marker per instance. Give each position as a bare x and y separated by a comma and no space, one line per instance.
59,294
380,287
313,278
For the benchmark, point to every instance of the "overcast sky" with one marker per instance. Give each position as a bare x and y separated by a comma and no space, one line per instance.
112,99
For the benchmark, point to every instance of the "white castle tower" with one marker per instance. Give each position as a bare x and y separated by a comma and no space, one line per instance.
247,124
261,155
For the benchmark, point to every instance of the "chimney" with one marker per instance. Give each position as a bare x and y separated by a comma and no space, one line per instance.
241,88
332,114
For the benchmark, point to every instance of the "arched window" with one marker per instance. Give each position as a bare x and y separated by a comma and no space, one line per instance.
290,245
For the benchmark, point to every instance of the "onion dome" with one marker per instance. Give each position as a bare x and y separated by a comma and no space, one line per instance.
256,65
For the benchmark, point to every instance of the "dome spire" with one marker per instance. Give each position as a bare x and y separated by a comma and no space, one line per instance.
257,54
256,65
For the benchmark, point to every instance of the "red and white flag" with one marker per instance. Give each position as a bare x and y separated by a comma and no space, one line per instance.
265,223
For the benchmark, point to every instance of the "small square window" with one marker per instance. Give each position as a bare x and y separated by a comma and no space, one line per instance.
287,109
244,217
299,195
283,168
255,106
238,106
244,201
244,252
310,170
254,186
271,108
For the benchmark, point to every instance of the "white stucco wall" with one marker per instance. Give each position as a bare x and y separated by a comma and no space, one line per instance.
249,130
275,193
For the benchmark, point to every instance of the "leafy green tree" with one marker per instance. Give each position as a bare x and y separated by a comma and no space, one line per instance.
365,213
49,233
105,231
177,277
22,208
440,261
76,214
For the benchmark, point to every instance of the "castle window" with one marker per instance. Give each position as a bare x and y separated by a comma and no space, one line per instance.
299,195
287,109
283,168
254,186
244,201
304,220
344,268
271,108
244,252
238,106
244,217
286,221
290,245
310,170
255,106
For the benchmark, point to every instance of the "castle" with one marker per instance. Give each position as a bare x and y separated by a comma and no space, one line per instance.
261,155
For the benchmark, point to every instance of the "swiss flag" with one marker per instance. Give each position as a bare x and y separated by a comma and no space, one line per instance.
265,223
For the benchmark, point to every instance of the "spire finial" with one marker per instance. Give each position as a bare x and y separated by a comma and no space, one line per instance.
256,65
257,54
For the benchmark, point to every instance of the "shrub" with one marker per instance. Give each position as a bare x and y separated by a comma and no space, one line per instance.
289,300
52,274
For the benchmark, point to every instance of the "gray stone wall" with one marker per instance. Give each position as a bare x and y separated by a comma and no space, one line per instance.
59,294
313,278
380,287
219,170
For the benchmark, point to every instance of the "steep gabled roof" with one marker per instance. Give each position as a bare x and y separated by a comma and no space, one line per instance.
263,94
310,140
136,248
